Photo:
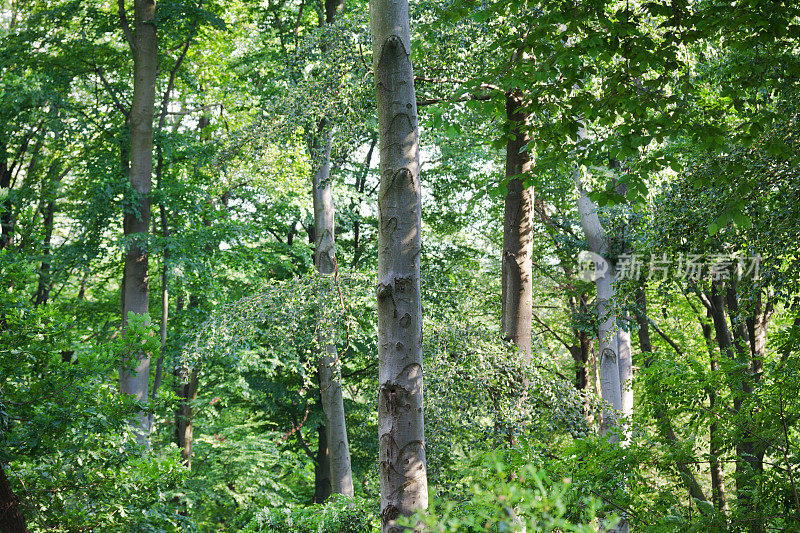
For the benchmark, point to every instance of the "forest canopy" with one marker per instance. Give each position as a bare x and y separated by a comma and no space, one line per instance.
393,265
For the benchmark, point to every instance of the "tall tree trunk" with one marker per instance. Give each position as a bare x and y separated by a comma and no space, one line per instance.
324,215
401,429
338,453
185,382
611,365
341,476
322,467
517,274
186,385
11,519
731,344
608,363
165,262
625,372
43,287
580,356
5,204
750,455
136,283
332,7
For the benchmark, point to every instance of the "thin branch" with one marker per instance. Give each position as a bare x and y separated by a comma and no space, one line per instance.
357,372
174,71
551,331
297,24
296,429
453,80
665,337
195,110
785,455
126,27
112,93
466,98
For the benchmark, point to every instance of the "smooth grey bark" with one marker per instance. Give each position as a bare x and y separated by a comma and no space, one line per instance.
341,474
324,215
401,430
608,357
611,365
625,371
135,280
517,270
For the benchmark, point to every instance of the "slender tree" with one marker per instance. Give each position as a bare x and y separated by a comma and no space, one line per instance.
401,430
609,344
341,476
517,297
611,363
135,375
338,453
663,421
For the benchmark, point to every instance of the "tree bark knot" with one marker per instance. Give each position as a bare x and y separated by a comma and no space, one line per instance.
389,514
384,291
608,354
392,48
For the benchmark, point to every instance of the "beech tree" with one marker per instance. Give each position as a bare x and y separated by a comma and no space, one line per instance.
401,430
143,42
267,336
329,368
517,282
608,359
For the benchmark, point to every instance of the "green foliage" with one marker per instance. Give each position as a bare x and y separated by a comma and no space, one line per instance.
65,438
340,514
503,494
692,148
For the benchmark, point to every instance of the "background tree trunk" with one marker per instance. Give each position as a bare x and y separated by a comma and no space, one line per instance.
401,431
11,519
322,467
517,297
341,476
338,452
663,421
135,280
609,345
186,390
6,172
43,287
748,459
714,448
625,372
185,384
